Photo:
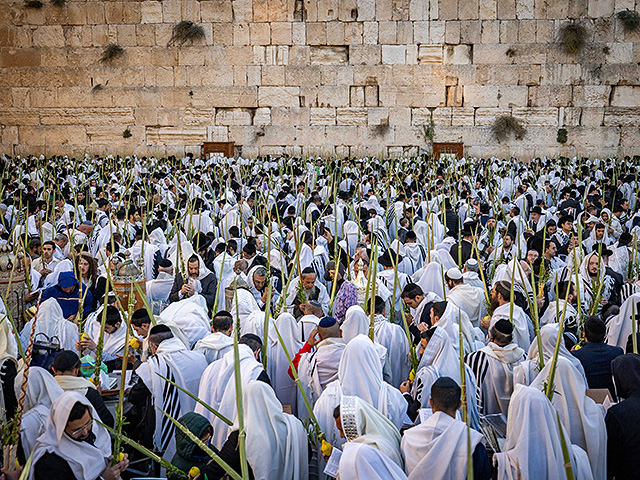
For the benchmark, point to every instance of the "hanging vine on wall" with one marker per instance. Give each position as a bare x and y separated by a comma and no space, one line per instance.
507,126
572,37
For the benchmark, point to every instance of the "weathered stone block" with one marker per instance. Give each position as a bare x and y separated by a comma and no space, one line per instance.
488,9
600,8
365,54
322,55
175,135
394,54
322,116
621,116
216,11
316,33
481,96
333,95
458,54
366,10
463,116
281,33
591,95
370,33
48,36
351,116
537,115
260,33
430,54
86,116
278,96
233,116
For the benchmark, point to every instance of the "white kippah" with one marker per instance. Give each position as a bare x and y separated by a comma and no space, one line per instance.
454,273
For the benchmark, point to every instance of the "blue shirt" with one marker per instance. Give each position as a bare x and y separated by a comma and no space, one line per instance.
69,302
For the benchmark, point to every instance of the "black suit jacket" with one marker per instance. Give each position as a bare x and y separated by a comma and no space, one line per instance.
209,287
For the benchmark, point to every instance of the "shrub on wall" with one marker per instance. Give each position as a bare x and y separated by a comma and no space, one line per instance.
507,126
573,36
186,33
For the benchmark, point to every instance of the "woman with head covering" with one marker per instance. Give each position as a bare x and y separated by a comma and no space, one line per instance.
42,391
74,446
533,448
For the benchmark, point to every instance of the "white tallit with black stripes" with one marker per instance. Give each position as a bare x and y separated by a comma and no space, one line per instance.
182,366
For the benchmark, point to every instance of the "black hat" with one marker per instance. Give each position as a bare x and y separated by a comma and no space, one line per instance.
537,210
200,242
504,326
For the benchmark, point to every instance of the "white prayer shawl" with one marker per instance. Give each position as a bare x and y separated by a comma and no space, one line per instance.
453,319
179,256
416,254
191,316
319,368
470,300
276,442
351,235
69,383
323,298
86,461
527,371
113,342
277,363
474,280
150,251
579,414
62,266
619,327
214,346
50,322
217,389
388,279
441,360
519,320
362,423
554,315
244,309
360,461
533,448
159,289
306,256
394,338
496,381
431,279
8,344
158,238
437,448
355,323
173,361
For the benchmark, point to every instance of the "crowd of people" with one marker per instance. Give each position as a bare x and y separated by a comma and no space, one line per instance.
308,318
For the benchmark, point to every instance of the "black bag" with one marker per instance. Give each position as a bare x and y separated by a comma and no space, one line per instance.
44,351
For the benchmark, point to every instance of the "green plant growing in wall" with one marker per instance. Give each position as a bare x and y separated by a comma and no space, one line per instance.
111,52
506,126
382,128
58,3
630,20
186,33
429,130
127,133
572,37
33,4
562,135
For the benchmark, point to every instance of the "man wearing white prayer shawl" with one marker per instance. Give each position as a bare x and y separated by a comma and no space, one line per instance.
276,442
527,371
114,335
240,302
469,299
217,386
360,461
533,448
360,374
216,344
452,320
394,338
439,359
198,281
42,391
74,446
190,315
159,289
170,359
395,285
579,414
359,422
152,257
493,367
437,449
502,309
308,286
431,280
51,322
277,363
318,360
556,309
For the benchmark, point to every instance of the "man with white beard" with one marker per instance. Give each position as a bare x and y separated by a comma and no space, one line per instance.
466,297
305,288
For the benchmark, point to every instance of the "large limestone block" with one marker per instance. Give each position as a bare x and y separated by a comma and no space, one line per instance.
430,54
545,116
351,116
232,97
278,96
86,116
481,96
622,116
591,95
325,55
458,54
175,135
322,116
394,54
233,116
14,116
151,12
365,54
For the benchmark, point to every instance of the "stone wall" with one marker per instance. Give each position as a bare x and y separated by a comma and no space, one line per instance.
344,77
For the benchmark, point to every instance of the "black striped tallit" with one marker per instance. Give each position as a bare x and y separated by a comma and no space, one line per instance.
171,405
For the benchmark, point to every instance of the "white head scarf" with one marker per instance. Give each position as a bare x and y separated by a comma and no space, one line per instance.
432,279
548,335
51,322
86,461
42,388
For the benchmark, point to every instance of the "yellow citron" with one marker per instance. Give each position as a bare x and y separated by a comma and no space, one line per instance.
120,457
412,375
326,448
85,336
134,343
194,472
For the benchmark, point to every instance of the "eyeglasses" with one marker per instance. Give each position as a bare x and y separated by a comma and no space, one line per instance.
84,429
